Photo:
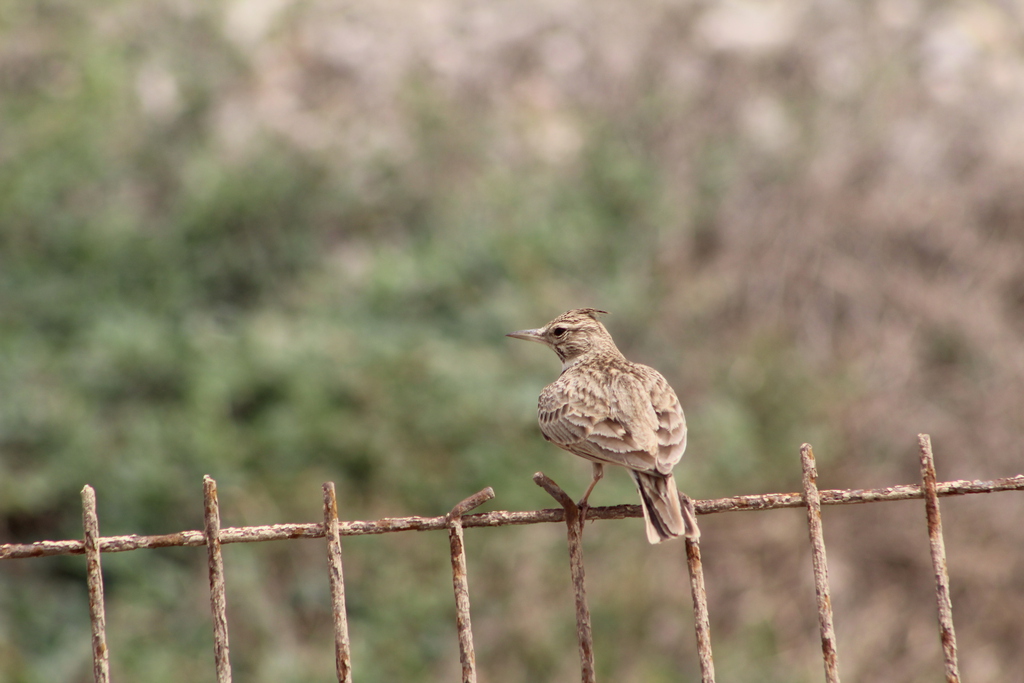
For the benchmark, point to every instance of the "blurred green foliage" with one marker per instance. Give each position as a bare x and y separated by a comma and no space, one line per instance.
168,313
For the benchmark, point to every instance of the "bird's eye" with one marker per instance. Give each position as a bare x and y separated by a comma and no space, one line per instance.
559,331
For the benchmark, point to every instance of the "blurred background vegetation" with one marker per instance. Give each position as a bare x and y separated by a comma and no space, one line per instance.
279,242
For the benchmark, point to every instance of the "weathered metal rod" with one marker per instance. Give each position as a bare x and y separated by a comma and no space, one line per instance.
94,577
575,537
938,552
818,560
281,532
701,620
342,654
218,601
460,581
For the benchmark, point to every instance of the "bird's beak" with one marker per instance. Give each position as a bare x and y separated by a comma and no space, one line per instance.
536,335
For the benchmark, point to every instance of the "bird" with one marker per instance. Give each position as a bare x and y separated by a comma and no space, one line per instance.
612,411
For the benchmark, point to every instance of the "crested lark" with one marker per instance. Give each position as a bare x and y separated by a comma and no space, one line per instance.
611,411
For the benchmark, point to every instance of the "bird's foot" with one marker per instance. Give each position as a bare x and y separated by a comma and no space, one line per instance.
584,507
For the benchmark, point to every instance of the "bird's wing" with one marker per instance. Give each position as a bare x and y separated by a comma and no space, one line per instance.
607,422
671,423
561,425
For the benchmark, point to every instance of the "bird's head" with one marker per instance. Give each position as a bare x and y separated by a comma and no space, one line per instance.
572,334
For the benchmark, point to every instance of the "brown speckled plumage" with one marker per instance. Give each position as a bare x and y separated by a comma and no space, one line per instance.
610,410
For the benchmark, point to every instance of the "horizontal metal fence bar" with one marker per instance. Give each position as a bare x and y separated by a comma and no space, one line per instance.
280,532
770,501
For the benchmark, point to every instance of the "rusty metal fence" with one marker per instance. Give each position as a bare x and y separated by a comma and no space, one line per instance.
332,529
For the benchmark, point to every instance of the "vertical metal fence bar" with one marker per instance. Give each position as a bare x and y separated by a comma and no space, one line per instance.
97,615
342,654
460,581
218,602
701,621
938,552
821,590
575,534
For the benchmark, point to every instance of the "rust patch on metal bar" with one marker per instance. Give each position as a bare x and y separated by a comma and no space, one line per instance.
821,590
938,552
342,653
218,602
460,581
94,574
575,534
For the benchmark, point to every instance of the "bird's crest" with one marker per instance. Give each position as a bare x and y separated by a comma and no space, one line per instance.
594,313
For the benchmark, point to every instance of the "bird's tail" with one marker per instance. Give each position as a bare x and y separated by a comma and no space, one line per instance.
666,517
